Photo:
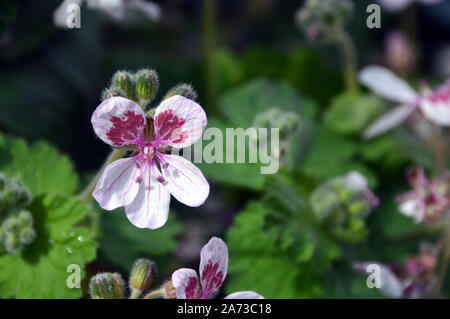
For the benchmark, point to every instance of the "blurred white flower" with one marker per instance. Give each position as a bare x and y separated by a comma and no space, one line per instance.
115,9
399,5
433,104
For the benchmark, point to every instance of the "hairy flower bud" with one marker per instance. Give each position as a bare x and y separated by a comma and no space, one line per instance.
169,290
17,231
342,203
182,89
13,194
125,81
106,286
147,84
112,92
11,242
321,19
142,275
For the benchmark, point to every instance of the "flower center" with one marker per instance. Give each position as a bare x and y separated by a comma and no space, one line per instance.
148,150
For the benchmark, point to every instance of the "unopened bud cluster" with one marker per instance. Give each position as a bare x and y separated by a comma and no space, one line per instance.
142,87
112,286
16,223
286,122
321,19
107,286
342,203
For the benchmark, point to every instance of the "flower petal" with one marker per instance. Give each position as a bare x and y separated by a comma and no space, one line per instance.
184,180
385,83
117,185
389,120
119,121
213,265
390,284
185,281
436,107
244,295
412,205
416,177
179,122
150,9
150,208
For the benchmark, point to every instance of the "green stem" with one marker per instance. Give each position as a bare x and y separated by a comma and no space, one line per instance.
209,42
444,261
86,194
348,59
436,146
154,294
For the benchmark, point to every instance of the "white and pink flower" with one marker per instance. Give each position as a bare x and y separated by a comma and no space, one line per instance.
399,5
213,270
433,104
427,200
143,183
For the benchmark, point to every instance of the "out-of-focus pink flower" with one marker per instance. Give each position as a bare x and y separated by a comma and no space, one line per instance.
143,183
412,279
400,5
427,200
434,104
399,54
213,270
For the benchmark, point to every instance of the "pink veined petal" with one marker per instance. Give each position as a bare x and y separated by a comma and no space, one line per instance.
385,83
244,295
179,122
436,111
119,121
185,282
213,265
184,180
117,185
150,208
389,120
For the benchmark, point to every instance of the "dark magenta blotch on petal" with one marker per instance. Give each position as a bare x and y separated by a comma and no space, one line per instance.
125,129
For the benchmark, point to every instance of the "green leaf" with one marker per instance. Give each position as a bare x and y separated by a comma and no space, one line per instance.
256,263
39,166
351,113
122,243
241,105
239,174
40,270
332,155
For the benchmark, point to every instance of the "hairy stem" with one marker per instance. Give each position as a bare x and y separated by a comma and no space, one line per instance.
348,59
135,294
86,194
209,42
154,294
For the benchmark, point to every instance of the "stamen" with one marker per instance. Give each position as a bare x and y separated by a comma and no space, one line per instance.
165,165
139,179
160,179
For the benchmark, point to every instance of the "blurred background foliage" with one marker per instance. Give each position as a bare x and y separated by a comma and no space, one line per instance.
51,80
